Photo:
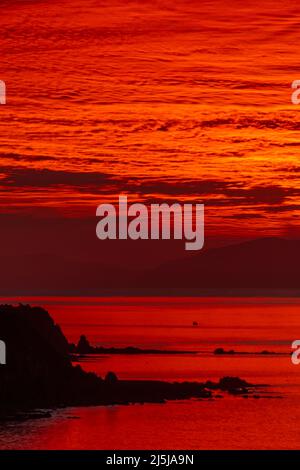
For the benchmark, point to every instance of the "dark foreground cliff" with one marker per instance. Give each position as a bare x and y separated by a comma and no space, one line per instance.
39,373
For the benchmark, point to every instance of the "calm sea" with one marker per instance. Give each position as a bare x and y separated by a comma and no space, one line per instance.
246,325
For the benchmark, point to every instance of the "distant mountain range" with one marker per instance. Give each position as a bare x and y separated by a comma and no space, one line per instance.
262,263
266,263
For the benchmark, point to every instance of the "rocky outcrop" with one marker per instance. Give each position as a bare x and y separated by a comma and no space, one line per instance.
38,369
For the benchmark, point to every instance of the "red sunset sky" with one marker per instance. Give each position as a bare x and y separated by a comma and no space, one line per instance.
162,101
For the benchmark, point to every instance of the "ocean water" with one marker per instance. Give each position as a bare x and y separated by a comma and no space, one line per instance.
246,325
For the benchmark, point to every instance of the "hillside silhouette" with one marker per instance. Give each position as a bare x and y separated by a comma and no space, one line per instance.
266,263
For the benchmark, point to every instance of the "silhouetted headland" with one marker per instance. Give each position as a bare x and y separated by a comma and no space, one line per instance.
84,347
39,372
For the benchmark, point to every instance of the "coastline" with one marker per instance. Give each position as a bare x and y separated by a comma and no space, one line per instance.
41,366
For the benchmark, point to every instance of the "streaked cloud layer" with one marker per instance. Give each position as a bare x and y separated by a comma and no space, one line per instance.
164,101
